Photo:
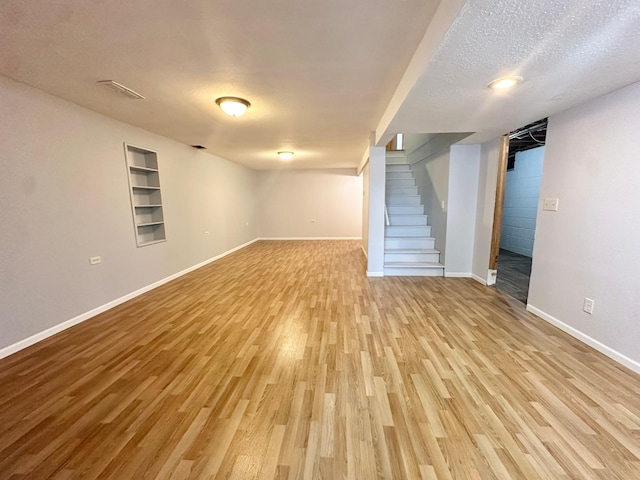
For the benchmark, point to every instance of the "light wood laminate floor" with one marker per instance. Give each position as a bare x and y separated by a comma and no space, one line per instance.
283,361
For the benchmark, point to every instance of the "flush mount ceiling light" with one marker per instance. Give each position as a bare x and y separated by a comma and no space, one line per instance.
504,82
285,155
233,106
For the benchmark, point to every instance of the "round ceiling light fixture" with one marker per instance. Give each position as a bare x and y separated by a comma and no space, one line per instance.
505,82
234,106
285,155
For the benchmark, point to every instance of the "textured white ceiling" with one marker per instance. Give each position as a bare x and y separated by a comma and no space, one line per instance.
567,51
321,75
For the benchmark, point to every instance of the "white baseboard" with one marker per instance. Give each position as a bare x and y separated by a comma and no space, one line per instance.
478,279
27,342
458,274
375,274
601,347
310,238
364,251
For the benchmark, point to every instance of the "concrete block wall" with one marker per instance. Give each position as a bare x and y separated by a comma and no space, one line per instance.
521,202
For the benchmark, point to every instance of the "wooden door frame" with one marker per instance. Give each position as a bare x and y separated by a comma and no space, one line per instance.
503,158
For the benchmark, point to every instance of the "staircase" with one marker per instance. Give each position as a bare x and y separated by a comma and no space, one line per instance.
408,245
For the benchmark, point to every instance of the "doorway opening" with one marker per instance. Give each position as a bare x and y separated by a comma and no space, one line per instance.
520,208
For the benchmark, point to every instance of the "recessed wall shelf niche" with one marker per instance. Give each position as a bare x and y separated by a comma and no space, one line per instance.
146,199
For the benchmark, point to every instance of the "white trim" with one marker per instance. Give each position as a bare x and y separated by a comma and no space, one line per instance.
363,163
27,342
364,251
458,274
478,279
309,238
601,347
375,274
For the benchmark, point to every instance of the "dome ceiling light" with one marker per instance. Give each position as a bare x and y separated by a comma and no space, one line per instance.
234,106
285,155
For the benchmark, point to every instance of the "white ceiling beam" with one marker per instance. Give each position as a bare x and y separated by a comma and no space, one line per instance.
446,13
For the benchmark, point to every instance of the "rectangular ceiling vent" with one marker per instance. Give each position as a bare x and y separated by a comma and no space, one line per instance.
199,147
117,87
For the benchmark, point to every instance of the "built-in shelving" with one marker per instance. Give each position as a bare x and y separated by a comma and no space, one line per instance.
146,198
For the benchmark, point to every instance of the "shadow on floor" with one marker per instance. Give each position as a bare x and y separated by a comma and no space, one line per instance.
514,271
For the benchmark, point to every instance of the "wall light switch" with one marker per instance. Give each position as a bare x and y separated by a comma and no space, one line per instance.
551,204
94,260
588,305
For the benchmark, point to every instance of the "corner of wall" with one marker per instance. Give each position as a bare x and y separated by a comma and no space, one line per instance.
592,342
49,332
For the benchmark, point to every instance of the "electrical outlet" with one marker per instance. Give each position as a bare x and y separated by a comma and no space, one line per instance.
206,234
95,260
588,305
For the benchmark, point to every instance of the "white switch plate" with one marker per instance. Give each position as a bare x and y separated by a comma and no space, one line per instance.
588,305
94,260
551,204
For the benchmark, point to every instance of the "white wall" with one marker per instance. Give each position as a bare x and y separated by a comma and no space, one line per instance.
427,143
419,146
365,208
464,170
428,155
432,179
376,220
309,203
486,201
590,246
521,202
64,197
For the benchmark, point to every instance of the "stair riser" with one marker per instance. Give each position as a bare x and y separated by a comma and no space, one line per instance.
405,209
398,168
400,182
409,242
403,200
404,231
401,191
406,220
413,272
399,175
412,257
393,158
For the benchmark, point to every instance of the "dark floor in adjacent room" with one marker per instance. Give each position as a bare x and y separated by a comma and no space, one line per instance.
514,271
